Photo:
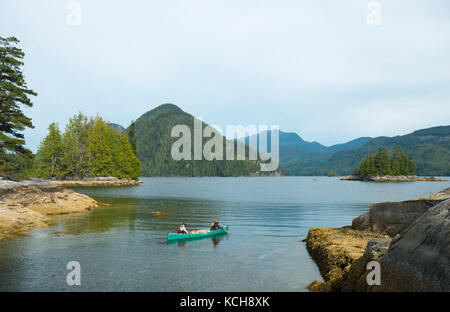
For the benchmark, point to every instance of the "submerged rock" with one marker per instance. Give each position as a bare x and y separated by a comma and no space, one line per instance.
160,213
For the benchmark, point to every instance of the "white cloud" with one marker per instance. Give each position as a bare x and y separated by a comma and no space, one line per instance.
305,65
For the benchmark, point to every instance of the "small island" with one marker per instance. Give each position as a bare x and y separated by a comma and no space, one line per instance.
384,166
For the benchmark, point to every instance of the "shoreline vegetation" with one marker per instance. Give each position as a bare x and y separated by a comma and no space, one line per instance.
391,233
89,147
389,178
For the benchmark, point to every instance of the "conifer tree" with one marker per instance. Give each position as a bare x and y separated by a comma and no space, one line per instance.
76,154
132,136
49,155
13,93
383,163
89,147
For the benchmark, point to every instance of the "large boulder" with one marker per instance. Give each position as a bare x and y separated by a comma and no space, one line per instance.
391,218
419,258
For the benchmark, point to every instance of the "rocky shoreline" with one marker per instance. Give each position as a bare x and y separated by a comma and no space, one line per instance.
393,179
26,205
409,239
98,181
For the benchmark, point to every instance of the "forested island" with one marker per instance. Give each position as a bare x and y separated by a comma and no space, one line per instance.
388,166
383,163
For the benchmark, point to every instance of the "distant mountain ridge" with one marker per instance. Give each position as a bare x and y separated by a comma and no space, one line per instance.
430,149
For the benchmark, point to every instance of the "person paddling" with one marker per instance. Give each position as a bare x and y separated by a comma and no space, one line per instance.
182,229
215,225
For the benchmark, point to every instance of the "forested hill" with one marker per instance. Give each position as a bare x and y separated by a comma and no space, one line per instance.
154,143
430,149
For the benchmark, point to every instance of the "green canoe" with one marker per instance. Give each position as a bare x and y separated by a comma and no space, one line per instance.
175,236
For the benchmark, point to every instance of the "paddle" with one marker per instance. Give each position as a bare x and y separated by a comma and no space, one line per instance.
224,228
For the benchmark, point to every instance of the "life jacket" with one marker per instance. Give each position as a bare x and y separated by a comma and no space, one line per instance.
179,229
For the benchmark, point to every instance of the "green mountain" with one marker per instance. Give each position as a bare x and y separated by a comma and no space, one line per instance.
154,143
430,149
300,157
349,145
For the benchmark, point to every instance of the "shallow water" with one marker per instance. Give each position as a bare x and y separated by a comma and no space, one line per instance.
123,247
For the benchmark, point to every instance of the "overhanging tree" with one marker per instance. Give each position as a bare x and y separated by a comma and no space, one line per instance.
13,94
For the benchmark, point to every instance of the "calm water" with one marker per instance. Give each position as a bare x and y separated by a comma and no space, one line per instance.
123,247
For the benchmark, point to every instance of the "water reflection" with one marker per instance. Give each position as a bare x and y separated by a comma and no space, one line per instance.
122,213
133,214
214,240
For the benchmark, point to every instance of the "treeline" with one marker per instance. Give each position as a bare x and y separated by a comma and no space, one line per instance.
89,147
384,163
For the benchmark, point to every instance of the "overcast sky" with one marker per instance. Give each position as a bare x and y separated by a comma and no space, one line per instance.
317,68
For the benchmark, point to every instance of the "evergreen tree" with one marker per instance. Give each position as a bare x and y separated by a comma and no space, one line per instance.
132,136
383,163
127,163
101,147
13,93
49,155
89,147
76,154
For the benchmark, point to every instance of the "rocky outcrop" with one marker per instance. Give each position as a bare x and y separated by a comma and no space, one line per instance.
25,205
15,219
391,218
442,195
334,250
417,259
355,279
393,179
98,181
